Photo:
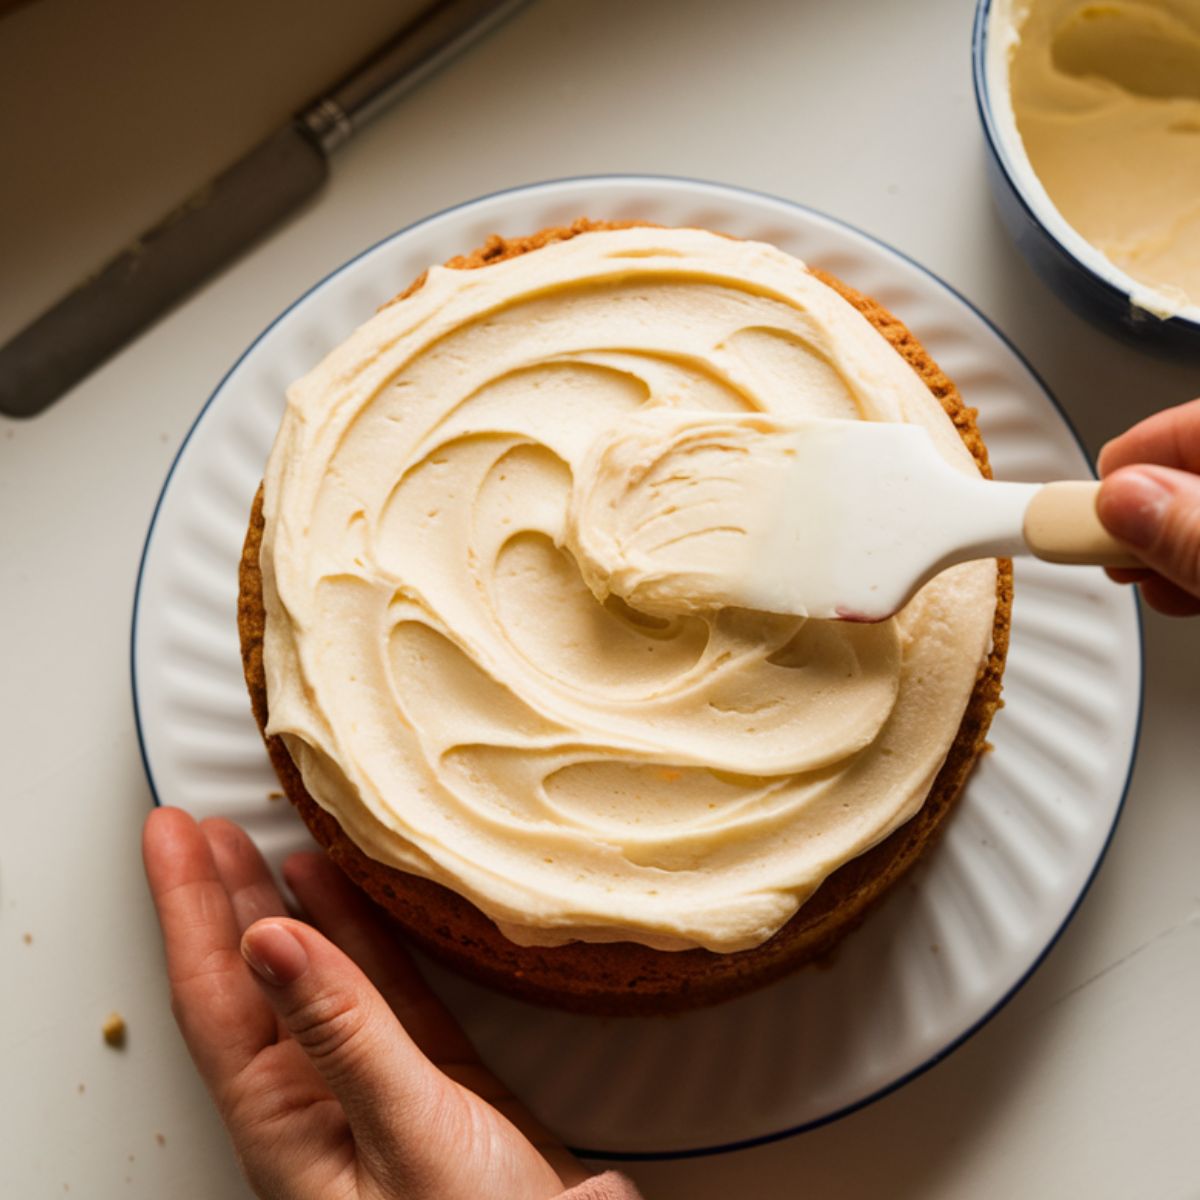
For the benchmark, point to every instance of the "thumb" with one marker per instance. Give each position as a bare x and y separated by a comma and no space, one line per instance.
1156,511
382,1080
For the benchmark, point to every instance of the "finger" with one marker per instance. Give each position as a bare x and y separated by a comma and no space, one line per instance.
385,1085
1170,438
243,872
1161,594
1156,512
345,915
1168,599
1129,574
222,1014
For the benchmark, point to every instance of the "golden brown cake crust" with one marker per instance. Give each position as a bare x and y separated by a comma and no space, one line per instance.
624,978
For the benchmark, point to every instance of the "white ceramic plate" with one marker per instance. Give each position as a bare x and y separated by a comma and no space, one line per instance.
942,954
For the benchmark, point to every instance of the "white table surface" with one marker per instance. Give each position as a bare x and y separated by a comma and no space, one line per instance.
1087,1084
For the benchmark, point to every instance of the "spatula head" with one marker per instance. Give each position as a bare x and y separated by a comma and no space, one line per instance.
682,511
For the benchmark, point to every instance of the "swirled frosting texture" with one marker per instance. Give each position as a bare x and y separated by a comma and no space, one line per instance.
457,698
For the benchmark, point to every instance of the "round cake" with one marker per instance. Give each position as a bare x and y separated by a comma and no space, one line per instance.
577,802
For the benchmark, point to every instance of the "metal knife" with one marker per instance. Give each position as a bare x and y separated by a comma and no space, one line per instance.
226,216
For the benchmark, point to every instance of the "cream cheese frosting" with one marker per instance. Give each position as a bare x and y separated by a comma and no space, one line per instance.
1106,98
455,695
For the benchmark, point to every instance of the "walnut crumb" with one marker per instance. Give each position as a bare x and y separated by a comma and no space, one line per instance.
114,1030
274,795
27,938
160,1139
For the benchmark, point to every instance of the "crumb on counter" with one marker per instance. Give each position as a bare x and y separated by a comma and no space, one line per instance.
274,795
27,938
160,1139
81,1088
114,1030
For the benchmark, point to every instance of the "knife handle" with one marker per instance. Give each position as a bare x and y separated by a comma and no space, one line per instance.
426,43
1061,526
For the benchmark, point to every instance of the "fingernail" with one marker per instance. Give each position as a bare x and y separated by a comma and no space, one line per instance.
274,953
1132,506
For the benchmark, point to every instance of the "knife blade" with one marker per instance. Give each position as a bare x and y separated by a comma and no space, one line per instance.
213,226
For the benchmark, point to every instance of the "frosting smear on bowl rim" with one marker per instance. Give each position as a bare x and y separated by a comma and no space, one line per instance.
453,693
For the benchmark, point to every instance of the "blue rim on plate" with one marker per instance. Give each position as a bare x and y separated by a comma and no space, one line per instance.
1093,297
956,1042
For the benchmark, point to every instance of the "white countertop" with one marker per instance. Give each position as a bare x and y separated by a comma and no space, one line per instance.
1087,1083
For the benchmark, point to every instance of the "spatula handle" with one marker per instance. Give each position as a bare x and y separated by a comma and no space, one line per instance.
1061,526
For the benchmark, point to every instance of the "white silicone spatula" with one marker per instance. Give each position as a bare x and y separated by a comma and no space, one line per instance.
847,519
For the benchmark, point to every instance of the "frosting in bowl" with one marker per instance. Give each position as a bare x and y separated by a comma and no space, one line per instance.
1106,100
455,695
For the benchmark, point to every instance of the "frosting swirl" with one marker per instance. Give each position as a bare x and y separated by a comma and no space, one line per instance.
457,697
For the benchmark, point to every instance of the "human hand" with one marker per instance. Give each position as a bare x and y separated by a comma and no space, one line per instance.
335,1082
1150,500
